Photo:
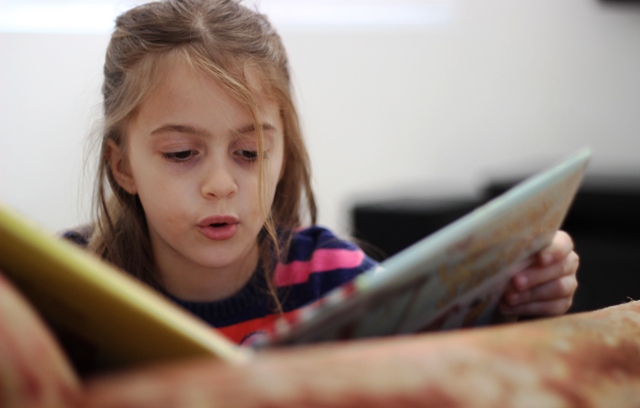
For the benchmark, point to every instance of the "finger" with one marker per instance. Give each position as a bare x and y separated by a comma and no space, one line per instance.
537,275
555,289
561,245
543,308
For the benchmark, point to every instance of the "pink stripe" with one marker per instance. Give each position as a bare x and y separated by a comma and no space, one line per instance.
322,260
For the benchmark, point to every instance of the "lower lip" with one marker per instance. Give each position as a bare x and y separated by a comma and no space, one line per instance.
219,233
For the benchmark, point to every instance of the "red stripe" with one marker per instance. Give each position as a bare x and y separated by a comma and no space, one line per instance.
322,260
238,332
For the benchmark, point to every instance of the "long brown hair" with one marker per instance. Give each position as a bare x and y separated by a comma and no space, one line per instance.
222,39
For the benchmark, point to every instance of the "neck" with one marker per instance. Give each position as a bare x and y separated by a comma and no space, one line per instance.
196,283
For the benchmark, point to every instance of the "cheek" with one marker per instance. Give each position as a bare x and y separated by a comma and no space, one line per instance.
161,203
164,218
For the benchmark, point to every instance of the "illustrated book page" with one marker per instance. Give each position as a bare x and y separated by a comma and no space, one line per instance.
451,279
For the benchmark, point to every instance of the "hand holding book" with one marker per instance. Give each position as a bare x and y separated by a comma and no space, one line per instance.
546,287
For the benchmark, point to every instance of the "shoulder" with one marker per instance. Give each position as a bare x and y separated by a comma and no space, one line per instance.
307,240
317,251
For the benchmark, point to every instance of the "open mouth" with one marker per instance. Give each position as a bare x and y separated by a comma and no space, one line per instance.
219,227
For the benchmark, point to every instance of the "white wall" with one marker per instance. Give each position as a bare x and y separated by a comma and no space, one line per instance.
426,108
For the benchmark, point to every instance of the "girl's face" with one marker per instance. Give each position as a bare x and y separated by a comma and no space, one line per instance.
191,157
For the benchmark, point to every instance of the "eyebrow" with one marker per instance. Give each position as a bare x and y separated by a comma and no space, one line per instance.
192,130
249,128
188,129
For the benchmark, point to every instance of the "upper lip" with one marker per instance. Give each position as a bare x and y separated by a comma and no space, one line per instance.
217,219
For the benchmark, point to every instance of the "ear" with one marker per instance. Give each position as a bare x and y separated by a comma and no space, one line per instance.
120,168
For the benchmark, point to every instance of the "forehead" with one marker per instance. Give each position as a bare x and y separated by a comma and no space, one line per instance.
230,76
185,94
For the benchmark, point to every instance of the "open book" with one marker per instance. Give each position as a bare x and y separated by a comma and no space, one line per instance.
453,278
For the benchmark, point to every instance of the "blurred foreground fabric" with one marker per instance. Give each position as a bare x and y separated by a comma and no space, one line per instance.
583,360
590,359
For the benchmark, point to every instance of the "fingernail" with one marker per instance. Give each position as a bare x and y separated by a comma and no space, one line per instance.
546,258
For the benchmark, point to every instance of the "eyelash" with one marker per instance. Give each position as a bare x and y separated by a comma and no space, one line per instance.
176,156
186,155
247,155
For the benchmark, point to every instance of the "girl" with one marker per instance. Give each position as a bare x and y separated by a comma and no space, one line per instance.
202,149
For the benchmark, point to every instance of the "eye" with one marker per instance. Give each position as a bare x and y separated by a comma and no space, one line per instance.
248,155
181,156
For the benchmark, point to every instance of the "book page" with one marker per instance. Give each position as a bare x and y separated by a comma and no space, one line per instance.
451,279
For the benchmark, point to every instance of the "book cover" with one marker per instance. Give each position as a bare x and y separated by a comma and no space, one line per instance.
77,291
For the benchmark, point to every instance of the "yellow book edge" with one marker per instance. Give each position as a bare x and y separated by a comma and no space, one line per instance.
120,315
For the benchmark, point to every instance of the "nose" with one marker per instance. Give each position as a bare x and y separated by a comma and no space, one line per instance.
219,180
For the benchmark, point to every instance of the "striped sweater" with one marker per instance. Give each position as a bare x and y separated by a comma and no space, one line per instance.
317,262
